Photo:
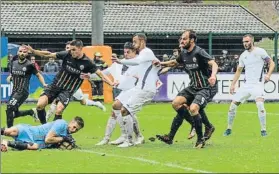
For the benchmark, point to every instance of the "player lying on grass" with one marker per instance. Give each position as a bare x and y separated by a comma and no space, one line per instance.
27,137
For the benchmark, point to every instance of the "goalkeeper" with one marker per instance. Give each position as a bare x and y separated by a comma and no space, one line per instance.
27,137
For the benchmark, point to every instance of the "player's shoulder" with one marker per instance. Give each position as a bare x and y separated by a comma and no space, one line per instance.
146,50
61,121
259,50
243,54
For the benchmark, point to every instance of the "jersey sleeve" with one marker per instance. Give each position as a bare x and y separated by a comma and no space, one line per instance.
205,57
144,56
92,68
264,55
179,59
241,62
61,55
59,127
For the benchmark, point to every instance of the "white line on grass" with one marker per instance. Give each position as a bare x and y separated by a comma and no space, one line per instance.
244,112
148,161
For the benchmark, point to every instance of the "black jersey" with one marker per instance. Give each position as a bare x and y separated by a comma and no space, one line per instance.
21,74
196,65
68,77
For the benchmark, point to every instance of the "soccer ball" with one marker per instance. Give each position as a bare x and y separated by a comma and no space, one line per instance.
65,146
4,148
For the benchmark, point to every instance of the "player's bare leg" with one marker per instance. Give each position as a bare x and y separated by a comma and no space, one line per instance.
59,110
41,104
51,110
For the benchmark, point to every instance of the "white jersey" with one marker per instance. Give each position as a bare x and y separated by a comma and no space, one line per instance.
254,64
147,73
125,79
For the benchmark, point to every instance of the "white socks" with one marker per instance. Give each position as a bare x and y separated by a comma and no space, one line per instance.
261,115
136,126
231,115
90,102
128,126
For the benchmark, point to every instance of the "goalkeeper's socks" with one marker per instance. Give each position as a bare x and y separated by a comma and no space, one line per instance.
56,117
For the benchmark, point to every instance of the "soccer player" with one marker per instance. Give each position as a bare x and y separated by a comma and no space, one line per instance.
78,95
127,79
146,87
20,74
68,80
202,87
29,137
253,59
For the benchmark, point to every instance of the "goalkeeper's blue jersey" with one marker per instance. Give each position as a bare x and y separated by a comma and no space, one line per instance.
37,134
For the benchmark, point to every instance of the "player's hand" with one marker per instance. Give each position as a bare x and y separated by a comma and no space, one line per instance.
266,78
232,88
156,63
85,75
29,48
115,84
186,106
212,80
117,60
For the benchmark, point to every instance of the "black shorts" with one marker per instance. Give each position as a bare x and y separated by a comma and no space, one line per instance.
116,92
17,99
53,92
198,96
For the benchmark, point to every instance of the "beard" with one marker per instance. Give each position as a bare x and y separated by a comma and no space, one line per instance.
21,58
248,47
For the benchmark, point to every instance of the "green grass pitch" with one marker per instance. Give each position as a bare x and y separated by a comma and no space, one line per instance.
244,151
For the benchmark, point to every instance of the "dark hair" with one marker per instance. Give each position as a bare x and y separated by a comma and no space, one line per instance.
68,43
77,43
175,50
129,45
192,34
141,36
79,121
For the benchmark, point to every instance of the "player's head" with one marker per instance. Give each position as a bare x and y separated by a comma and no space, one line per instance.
139,41
248,41
67,47
187,39
129,51
22,53
75,125
76,48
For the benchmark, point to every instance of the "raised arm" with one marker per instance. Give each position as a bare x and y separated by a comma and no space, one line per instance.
43,54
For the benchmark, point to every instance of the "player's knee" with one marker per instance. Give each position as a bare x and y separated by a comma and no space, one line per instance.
116,105
194,109
236,103
176,104
83,102
59,109
42,102
124,112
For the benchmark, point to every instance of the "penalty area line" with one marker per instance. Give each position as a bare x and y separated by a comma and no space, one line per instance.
172,165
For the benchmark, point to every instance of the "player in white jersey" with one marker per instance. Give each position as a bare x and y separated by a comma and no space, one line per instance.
78,95
253,59
127,78
146,87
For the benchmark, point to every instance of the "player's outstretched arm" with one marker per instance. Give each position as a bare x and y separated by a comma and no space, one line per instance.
235,78
44,54
271,66
170,63
52,138
105,77
41,79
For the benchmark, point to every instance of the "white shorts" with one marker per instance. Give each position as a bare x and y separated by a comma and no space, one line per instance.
78,95
247,91
134,99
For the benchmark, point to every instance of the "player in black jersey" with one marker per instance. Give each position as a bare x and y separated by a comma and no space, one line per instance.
75,67
202,87
20,73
